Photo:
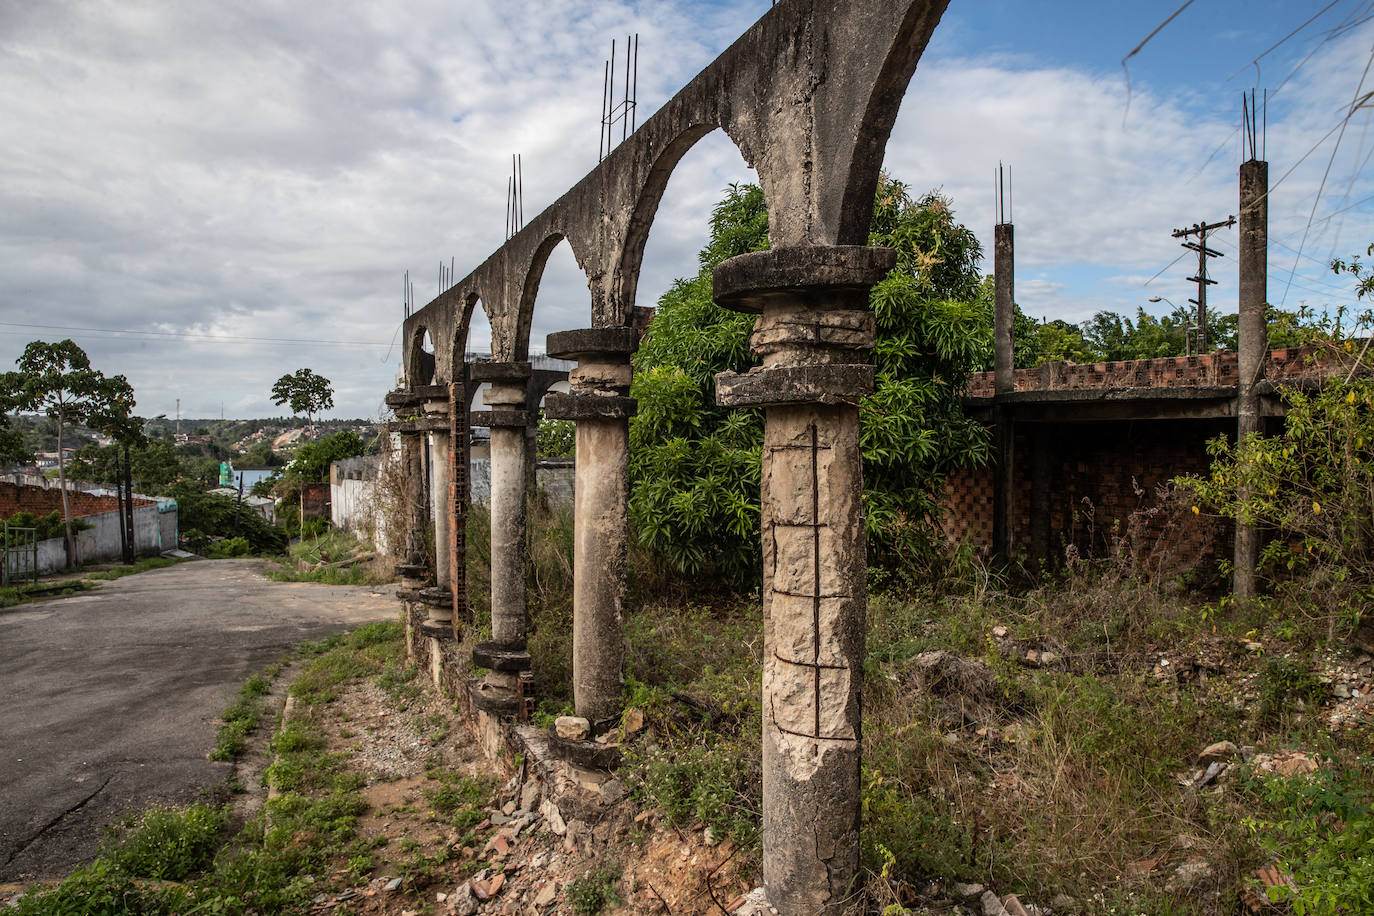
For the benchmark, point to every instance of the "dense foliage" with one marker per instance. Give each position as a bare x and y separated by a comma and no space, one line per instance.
201,516
156,465
695,466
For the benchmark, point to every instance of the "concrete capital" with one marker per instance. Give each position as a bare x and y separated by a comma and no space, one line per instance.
589,407
499,419
597,343
821,276
773,387
484,370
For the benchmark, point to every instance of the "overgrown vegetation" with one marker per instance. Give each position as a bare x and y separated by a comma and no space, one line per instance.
695,466
241,718
333,557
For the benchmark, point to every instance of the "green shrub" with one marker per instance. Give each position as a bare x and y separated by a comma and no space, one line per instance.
1320,830
229,548
167,844
595,889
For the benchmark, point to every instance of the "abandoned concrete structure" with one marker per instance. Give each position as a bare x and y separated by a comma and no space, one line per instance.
809,96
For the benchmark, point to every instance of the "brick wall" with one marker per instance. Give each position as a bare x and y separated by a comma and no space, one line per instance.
1096,486
41,501
1171,372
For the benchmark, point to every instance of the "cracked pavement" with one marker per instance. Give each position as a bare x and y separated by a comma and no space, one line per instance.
112,696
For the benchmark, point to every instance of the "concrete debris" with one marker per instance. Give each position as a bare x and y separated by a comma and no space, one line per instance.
1287,764
1190,874
572,728
992,905
754,903
554,817
967,891
1012,904
1223,751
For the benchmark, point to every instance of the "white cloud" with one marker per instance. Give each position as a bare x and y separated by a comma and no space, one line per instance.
269,170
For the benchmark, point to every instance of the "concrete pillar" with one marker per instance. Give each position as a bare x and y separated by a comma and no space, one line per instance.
1250,345
505,655
1004,316
458,491
600,406
1004,480
413,511
815,333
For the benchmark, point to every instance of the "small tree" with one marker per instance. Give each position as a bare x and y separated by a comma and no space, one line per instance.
305,393
57,379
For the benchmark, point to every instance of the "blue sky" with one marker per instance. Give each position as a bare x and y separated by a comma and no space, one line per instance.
200,176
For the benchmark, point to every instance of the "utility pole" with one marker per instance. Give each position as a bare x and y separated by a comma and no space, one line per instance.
1203,253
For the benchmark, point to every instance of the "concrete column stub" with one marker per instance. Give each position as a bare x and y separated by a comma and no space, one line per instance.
600,405
1250,346
815,333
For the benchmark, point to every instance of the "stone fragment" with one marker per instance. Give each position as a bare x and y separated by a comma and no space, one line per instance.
554,817
754,903
633,721
992,905
967,891
1000,632
529,795
1012,904
499,820
1214,769
508,808
572,728
394,884
1224,751
547,894
612,791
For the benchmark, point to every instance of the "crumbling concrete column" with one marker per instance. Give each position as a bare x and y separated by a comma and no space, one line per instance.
1004,481
411,570
600,405
1250,344
505,655
439,600
815,333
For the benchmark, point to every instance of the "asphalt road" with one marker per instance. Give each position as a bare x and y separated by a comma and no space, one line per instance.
109,698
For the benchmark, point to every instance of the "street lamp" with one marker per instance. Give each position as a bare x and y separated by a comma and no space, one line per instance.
1187,323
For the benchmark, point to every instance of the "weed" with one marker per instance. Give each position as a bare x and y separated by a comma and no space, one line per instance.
240,719
166,843
138,566
1320,829
1285,682
595,889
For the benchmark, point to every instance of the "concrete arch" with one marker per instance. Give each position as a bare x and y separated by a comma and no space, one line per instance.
457,354
529,287
625,282
420,364
808,95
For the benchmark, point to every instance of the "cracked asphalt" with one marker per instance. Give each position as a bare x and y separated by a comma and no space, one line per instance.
111,697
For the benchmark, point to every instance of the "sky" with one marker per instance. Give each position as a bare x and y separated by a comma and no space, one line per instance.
206,196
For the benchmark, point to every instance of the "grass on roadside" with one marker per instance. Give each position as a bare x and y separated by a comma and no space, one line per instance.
333,558
21,594
241,718
138,566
